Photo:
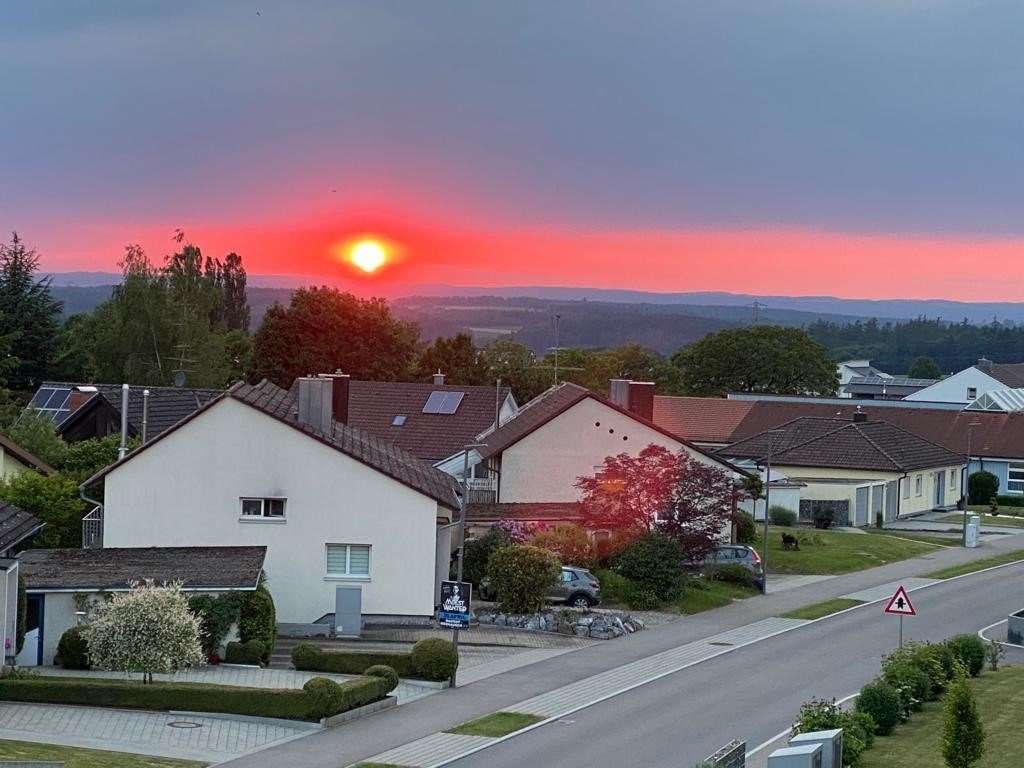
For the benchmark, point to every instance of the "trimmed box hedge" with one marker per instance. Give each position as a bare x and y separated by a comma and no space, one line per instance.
430,659
287,704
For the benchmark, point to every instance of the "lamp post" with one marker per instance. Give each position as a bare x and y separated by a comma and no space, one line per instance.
463,503
967,475
772,434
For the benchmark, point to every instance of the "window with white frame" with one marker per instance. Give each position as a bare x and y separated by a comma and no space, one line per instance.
919,485
952,478
1015,478
906,488
256,508
348,560
972,393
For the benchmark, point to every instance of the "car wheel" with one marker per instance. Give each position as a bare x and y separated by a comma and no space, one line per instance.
580,601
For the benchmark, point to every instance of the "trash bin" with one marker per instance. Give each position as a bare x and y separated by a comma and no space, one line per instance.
973,530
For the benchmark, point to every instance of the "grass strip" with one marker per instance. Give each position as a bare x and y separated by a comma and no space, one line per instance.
833,552
704,594
824,608
496,725
976,565
1005,521
76,757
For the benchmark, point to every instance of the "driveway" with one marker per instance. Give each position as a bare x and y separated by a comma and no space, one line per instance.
186,737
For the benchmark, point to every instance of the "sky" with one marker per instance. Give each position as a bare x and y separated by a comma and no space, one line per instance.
859,149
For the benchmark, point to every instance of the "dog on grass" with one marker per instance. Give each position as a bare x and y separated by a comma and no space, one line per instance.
790,542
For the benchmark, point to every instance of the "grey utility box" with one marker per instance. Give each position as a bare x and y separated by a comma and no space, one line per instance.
831,745
803,756
348,611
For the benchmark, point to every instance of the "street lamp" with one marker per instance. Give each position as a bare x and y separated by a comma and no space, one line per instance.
772,434
967,476
463,500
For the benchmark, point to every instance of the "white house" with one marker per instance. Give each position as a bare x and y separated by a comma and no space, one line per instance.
858,469
333,505
968,385
14,460
856,369
16,525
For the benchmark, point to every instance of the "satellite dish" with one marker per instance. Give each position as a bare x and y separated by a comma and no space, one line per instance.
179,379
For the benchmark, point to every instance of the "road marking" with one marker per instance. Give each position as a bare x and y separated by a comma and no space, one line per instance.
447,757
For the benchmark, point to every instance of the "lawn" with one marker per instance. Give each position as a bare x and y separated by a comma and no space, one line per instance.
917,744
824,608
977,565
831,552
697,594
496,725
1005,521
74,757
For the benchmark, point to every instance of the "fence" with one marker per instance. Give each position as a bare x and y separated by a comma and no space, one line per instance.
732,755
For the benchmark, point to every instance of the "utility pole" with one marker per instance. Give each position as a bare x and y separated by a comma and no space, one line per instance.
463,503
767,497
967,475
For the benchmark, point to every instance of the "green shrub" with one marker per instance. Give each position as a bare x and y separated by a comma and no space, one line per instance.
257,619
933,660
217,615
822,517
324,696
478,552
970,650
251,653
963,737
521,577
384,672
1010,501
434,659
882,702
981,486
823,715
310,658
653,562
641,599
734,574
782,516
746,528
290,704
911,683
72,650
569,543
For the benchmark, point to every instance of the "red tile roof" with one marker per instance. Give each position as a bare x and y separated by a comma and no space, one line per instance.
529,512
700,419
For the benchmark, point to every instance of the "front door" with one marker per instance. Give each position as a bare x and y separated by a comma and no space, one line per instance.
32,651
940,488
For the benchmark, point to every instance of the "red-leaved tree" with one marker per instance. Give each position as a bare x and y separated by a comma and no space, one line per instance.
658,490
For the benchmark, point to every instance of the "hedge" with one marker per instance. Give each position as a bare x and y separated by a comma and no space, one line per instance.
287,704
250,653
423,663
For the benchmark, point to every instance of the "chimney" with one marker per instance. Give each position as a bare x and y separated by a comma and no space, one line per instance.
316,402
438,378
618,392
859,417
339,395
983,364
641,399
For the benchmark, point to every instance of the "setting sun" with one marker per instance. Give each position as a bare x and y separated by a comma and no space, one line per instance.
369,255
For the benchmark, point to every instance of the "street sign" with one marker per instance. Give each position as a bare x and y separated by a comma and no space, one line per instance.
900,604
455,600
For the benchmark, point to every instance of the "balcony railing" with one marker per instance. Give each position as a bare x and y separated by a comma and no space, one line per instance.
92,529
482,490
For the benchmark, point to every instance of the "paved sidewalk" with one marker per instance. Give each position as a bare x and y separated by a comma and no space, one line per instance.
783,582
406,691
402,725
207,739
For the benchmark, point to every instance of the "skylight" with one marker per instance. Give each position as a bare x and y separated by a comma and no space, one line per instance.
398,420
445,403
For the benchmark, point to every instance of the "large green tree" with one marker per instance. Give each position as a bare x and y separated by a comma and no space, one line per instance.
323,330
456,357
517,367
761,358
54,500
595,368
924,367
29,315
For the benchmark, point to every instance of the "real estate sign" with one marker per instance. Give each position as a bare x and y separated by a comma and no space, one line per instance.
455,599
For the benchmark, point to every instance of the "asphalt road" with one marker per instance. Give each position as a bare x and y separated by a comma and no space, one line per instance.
754,692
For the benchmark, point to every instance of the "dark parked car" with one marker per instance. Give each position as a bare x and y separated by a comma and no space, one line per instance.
577,587
733,554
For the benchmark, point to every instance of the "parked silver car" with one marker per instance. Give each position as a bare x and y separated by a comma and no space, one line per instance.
577,587
733,554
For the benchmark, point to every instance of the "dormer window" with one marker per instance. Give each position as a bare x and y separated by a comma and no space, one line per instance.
972,393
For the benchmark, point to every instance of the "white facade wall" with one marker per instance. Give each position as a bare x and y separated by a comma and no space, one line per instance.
954,389
544,465
59,609
8,608
186,490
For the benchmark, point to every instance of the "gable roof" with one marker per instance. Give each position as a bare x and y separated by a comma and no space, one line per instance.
556,401
531,512
16,525
30,460
167,405
114,568
1010,374
701,419
379,454
373,406
842,444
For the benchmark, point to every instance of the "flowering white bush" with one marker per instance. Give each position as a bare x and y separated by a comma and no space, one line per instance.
148,629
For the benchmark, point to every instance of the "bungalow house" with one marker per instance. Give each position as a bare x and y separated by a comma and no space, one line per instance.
16,525
856,369
534,459
334,506
60,583
14,459
858,469
968,385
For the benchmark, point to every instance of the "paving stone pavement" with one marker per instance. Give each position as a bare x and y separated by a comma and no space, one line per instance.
148,733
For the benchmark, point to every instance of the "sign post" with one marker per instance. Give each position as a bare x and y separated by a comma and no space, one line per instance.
900,605
455,600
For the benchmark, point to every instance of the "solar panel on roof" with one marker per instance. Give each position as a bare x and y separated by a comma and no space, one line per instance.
445,403
52,402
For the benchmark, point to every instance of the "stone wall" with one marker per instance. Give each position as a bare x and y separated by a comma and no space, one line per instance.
598,624
840,510
732,755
